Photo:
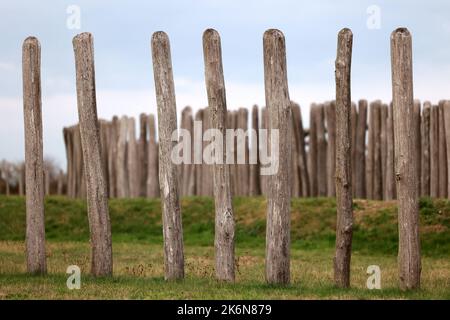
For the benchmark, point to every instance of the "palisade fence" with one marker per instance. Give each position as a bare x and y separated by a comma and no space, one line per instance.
366,150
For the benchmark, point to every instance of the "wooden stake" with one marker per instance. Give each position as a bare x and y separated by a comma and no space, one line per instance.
168,176
405,159
360,152
97,195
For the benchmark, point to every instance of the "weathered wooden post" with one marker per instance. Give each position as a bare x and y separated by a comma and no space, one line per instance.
405,159
152,170
34,163
132,160
417,139
312,153
321,152
143,157
113,137
278,208
302,161
434,151
446,110
377,173
224,218
389,193
344,225
425,157
442,153
198,155
295,170
353,124
123,188
186,173
330,115
168,177
383,139
97,195
255,184
360,152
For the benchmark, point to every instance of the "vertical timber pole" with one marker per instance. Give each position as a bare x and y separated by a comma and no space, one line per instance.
405,159
279,197
97,193
168,176
34,163
224,218
344,225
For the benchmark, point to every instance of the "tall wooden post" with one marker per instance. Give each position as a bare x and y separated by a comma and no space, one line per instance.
442,153
389,193
168,177
377,173
312,153
321,152
224,218
405,159
417,139
384,147
302,160
97,194
446,110
344,224
132,159
34,163
152,170
143,157
360,152
255,184
278,208
123,188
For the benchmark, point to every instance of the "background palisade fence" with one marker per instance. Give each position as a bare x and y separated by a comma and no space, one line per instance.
405,156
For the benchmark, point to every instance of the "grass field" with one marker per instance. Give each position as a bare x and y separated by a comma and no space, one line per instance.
138,255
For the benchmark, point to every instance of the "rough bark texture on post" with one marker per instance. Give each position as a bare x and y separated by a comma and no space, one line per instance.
34,163
405,159
255,184
425,156
389,193
330,115
168,176
446,109
442,153
434,151
224,217
123,188
278,208
97,195
344,224
132,160
360,152
152,170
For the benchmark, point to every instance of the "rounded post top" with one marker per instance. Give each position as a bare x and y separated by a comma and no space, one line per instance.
211,34
31,41
345,32
160,36
274,34
401,32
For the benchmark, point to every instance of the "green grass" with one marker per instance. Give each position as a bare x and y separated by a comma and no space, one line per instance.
138,255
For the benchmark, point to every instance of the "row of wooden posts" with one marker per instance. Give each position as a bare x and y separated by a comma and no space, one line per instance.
131,164
279,188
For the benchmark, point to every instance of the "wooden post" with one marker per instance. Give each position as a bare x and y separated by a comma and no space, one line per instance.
113,137
360,152
198,154
446,111
442,153
313,151
255,184
353,124
377,173
152,170
417,139
405,159
188,168
123,188
143,157
425,156
168,177
389,193
344,224
370,152
434,151
330,115
97,195
132,160
265,126
321,152
34,163
224,217
302,160
278,208
383,139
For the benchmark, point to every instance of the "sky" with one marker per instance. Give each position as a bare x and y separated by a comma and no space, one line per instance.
124,77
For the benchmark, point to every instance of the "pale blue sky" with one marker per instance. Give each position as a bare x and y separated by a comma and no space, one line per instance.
122,31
